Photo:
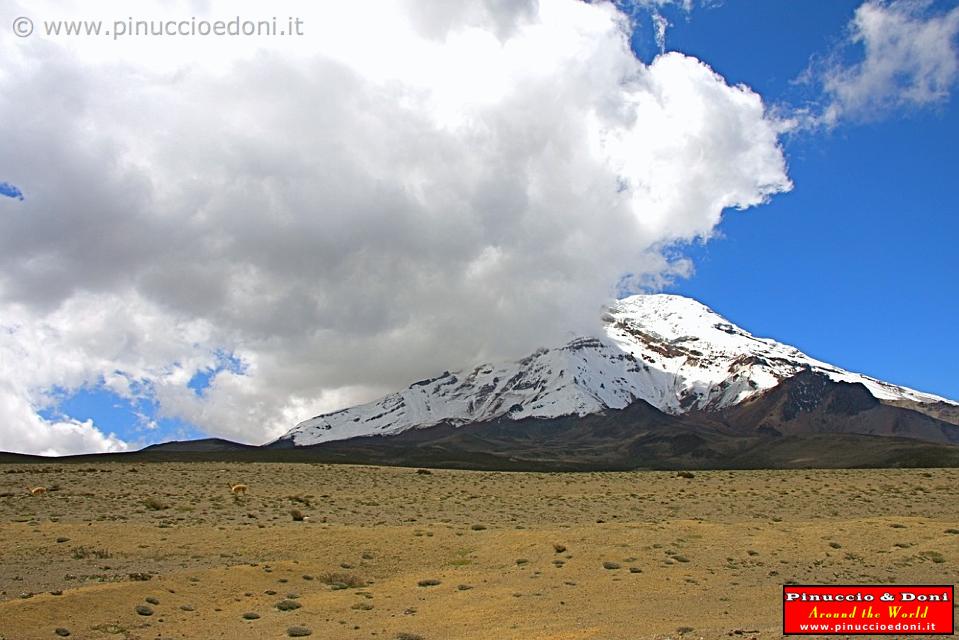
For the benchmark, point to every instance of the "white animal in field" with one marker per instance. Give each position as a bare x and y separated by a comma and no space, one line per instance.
37,491
238,489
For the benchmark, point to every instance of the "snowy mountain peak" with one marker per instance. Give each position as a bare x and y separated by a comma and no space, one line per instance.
719,362
671,351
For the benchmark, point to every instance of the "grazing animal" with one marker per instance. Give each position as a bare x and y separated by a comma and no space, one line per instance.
238,489
37,491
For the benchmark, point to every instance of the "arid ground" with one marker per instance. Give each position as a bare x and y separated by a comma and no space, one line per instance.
164,550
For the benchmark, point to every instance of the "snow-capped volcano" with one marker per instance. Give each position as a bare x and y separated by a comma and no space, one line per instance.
673,352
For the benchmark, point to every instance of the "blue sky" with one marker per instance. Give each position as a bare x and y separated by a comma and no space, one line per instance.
129,418
136,417
237,274
858,265
10,191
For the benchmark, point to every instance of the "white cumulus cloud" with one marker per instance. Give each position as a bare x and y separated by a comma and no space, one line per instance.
909,59
402,190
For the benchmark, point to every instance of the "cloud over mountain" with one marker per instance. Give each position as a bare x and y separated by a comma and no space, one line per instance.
396,192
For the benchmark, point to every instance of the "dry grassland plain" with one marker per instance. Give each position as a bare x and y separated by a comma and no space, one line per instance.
165,550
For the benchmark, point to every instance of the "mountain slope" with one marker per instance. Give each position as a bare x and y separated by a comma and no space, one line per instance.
203,445
811,403
637,437
669,351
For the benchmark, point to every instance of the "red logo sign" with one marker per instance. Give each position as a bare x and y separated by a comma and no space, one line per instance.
865,609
